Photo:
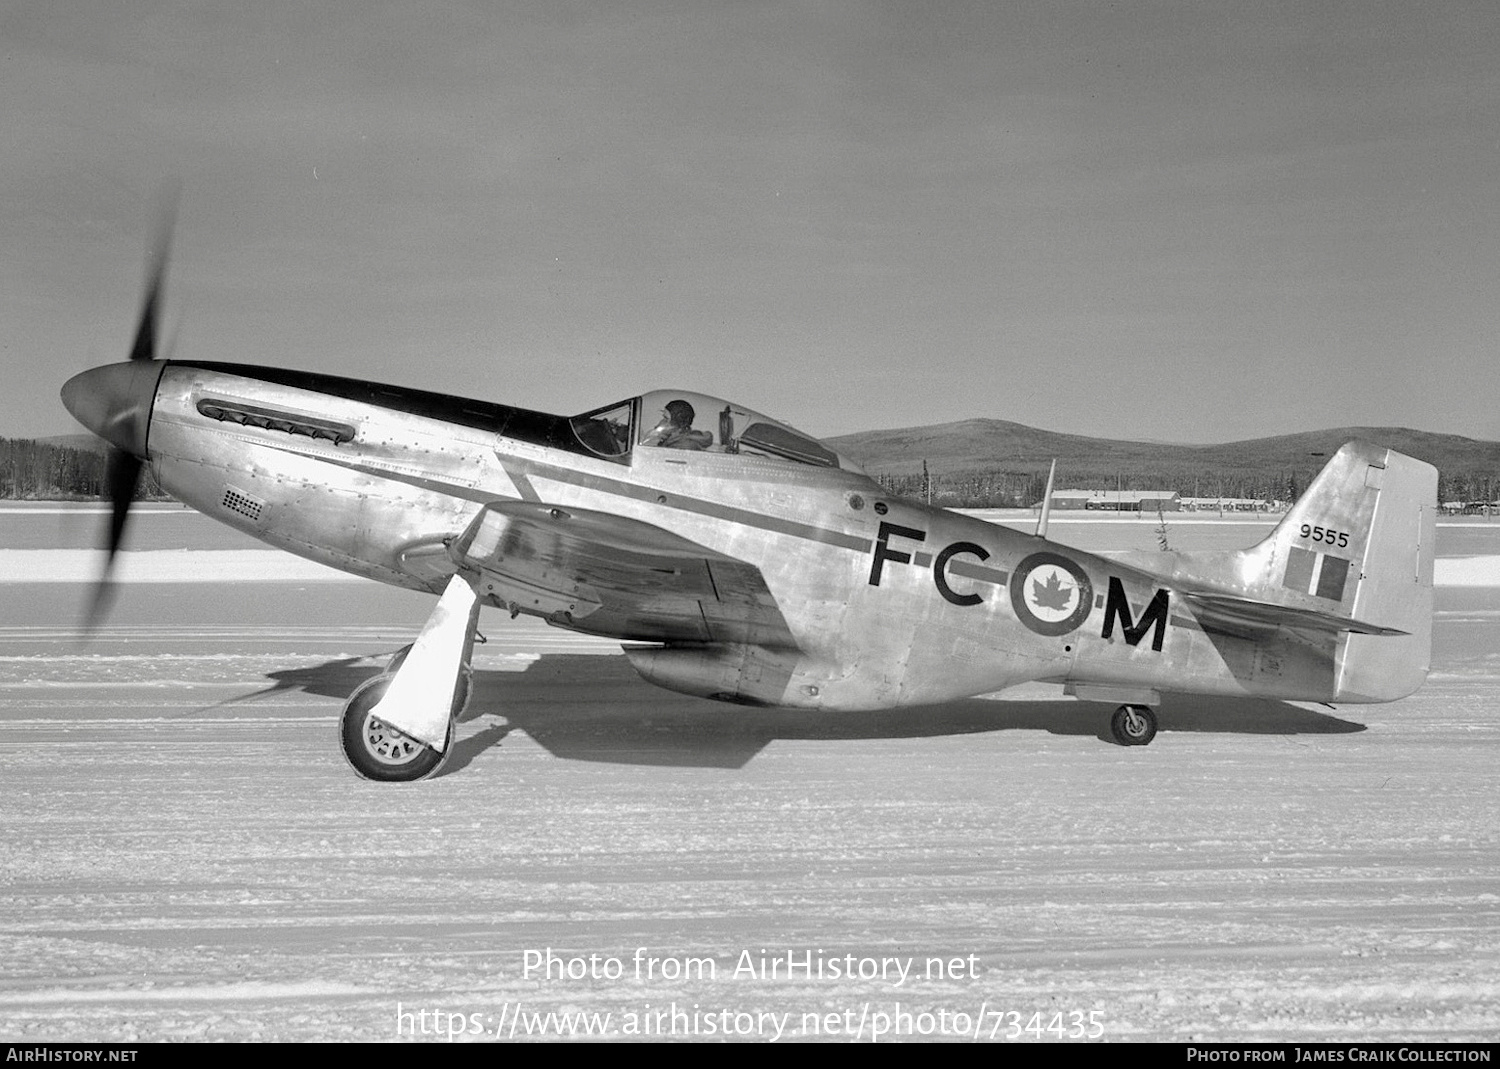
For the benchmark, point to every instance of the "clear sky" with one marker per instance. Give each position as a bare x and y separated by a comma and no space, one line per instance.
1187,221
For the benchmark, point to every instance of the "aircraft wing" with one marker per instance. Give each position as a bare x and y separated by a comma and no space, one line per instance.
610,575
1226,612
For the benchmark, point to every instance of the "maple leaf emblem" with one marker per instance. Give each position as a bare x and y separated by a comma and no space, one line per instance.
1052,594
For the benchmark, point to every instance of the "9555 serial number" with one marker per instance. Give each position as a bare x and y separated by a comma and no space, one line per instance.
1327,535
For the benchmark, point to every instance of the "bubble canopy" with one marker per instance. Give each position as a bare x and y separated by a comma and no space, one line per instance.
689,422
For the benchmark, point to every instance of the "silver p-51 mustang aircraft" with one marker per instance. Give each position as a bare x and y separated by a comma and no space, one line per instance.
747,562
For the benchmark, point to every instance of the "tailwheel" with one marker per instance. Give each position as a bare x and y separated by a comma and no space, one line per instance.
1133,725
380,752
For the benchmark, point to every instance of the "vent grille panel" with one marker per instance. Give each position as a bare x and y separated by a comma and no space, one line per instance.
244,504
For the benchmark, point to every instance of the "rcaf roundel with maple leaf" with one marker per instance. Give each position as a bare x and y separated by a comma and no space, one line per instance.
1051,594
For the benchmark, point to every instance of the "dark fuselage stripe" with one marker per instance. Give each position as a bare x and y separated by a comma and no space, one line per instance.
970,570
695,505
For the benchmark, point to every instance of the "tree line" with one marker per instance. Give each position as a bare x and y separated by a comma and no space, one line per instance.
44,471
1024,489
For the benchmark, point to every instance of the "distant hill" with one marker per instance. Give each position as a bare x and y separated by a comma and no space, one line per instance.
972,453
992,461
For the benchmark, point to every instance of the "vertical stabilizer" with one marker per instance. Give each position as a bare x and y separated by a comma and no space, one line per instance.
1359,544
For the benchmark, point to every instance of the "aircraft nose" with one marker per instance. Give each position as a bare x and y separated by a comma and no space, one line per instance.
114,401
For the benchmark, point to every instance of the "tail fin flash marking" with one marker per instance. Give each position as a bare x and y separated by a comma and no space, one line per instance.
1299,570
1331,577
1320,574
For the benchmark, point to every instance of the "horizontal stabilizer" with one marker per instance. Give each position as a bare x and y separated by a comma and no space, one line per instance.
1235,614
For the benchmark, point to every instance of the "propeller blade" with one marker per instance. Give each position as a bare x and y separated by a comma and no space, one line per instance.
123,469
100,602
122,476
148,328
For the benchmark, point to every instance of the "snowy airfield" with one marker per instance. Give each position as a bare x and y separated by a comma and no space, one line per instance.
187,856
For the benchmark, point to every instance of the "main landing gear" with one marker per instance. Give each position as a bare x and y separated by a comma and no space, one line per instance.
398,727
1133,725
379,751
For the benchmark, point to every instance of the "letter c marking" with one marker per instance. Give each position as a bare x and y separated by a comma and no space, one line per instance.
940,571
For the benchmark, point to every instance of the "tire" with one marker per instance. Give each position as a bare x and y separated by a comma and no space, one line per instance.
1133,725
378,751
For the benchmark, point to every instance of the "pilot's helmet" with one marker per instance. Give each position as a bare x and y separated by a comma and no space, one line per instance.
681,413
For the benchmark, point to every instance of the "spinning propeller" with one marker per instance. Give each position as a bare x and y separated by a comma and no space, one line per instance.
114,401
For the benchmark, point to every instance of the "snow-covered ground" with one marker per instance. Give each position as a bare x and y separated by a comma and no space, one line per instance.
186,855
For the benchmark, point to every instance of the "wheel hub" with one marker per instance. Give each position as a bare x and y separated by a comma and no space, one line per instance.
388,745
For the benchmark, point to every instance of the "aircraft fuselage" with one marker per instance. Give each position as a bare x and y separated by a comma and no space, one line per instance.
890,601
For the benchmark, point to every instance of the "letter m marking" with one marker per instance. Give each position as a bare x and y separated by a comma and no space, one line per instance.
1115,606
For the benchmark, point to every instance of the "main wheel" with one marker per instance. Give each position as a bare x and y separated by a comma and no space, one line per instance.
1133,725
378,751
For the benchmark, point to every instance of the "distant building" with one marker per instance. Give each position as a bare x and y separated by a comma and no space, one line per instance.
1231,504
1118,500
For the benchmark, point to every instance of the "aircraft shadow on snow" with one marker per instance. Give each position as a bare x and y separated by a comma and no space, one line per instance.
595,708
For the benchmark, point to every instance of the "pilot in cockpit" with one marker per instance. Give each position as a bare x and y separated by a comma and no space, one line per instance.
675,431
